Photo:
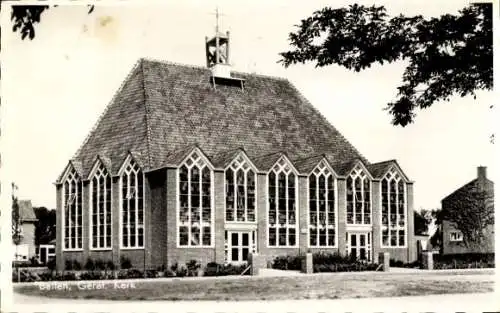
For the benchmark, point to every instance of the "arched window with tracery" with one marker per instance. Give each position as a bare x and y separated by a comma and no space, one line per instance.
240,191
358,196
393,209
132,206
322,217
100,209
282,198
72,209
195,214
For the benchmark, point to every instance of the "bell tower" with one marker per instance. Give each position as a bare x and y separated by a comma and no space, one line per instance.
217,48
217,53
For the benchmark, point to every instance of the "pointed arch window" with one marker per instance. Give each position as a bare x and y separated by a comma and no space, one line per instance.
393,215
195,214
72,217
322,213
132,206
100,209
358,194
240,191
282,198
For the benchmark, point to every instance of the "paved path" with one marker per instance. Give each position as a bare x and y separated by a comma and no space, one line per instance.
478,302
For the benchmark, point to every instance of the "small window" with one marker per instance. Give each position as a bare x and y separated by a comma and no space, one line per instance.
456,236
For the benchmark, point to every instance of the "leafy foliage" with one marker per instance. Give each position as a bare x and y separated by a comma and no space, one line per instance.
288,262
45,227
471,211
448,55
24,18
421,220
16,221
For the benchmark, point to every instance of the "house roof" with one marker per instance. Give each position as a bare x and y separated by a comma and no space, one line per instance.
26,212
468,187
164,109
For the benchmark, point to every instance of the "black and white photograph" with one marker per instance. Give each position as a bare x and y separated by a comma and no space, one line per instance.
248,156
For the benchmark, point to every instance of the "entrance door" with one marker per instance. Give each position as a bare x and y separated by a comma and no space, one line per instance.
239,245
359,246
43,255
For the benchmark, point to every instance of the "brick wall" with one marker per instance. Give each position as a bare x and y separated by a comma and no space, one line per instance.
182,255
451,247
158,183
161,224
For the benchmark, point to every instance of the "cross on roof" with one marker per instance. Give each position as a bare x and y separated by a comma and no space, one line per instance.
217,14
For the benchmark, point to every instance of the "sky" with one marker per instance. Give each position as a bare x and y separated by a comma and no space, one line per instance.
55,87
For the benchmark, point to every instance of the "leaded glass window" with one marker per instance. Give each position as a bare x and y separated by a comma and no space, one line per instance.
72,204
100,209
132,206
393,209
322,219
282,221
358,196
195,214
240,191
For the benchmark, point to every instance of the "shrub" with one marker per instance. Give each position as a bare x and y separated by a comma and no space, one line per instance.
100,265
287,262
89,265
110,265
77,265
92,275
396,263
215,269
331,258
72,265
181,272
125,263
51,264
192,268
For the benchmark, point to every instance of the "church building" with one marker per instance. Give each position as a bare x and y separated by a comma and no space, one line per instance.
211,164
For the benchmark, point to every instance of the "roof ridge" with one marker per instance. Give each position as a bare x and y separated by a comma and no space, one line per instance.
386,161
106,109
303,98
157,60
147,112
199,67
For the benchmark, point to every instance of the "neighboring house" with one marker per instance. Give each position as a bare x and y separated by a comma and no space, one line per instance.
189,162
453,241
46,252
25,250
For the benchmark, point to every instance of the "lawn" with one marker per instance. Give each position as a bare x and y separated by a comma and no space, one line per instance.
315,286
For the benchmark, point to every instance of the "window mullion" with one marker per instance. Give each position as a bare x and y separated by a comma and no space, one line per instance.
317,209
189,207
276,211
105,210
70,215
200,205
245,194
287,243
397,211
235,196
136,201
327,209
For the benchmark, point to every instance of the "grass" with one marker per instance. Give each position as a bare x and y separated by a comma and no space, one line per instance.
275,288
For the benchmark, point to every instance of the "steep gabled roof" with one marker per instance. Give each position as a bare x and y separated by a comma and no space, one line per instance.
306,165
163,108
469,187
379,169
26,212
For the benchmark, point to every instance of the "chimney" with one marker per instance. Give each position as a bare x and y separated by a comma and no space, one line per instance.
481,176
